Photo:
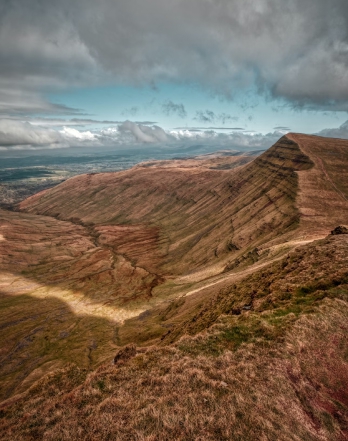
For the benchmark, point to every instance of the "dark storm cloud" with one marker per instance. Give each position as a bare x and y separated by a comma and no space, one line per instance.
170,108
296,50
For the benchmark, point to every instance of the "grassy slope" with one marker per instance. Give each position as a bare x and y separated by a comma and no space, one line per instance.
184,217
73,271
321,203
44,325
323,195
275,372
203,216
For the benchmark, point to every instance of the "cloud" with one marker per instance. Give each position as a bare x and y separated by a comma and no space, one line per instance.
208,128
293,50
170,108
77,122
340,132
132,111
18,101
143,133
225,117
40,51
286,129
69,132
16,135
60,122
235,140
24,135
208,116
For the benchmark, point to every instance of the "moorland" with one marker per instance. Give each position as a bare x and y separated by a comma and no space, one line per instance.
196,299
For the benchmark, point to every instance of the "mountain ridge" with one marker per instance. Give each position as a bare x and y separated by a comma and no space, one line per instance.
186,262
190,207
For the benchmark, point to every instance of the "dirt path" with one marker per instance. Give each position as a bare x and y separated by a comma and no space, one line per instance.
251,269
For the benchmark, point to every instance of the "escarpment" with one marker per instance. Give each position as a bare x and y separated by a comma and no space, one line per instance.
202,217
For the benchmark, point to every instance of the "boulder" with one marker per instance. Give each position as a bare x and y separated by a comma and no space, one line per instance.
341,229
125,353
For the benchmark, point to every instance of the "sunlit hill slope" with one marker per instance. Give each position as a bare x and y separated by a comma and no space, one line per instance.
222,272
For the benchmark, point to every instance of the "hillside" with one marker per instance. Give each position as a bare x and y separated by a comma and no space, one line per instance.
222,271
195,217
276,371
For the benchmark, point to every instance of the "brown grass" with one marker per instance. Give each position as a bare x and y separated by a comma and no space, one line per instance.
254,353
282,376
252,393
201,216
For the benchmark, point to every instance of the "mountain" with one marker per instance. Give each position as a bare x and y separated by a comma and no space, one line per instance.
218,282
194,217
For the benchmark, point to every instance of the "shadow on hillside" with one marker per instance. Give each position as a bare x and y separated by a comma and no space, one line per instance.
40,335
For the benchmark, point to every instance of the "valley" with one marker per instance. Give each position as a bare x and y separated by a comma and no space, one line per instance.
223,267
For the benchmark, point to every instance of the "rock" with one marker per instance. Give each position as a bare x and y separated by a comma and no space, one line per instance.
341,229
125,353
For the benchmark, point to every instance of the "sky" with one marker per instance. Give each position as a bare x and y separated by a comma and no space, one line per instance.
227,73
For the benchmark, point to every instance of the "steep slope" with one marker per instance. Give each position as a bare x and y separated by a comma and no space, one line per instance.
323,190
63,292
202,217
114,246
214,264
277,371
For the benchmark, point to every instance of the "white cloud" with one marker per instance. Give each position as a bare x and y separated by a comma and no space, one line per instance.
72,133
24,135
339,132
143,133
16,134
237,140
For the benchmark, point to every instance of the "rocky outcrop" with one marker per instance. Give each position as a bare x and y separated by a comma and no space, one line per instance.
341,229
125,353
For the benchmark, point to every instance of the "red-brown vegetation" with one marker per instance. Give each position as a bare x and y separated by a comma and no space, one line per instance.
234,291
